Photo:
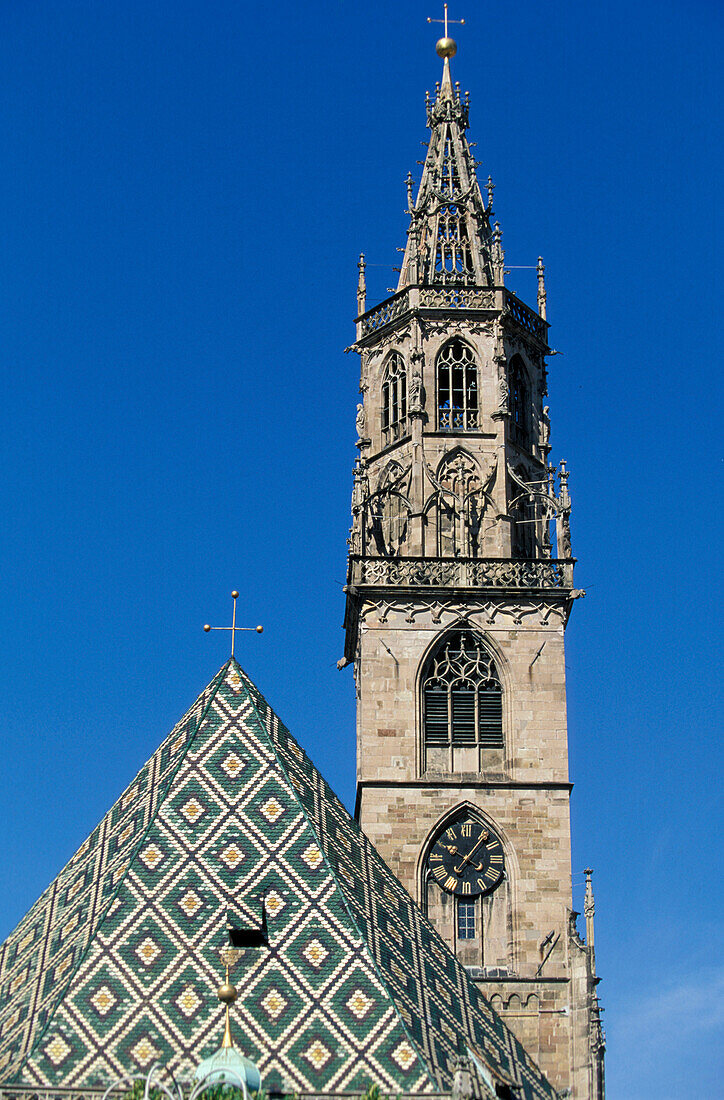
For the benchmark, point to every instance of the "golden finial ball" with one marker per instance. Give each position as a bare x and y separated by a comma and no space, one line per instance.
446,47
235,595
227,993
260,630
207,627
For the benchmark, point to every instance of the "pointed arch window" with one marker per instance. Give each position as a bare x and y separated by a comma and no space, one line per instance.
394,400
523,513
462,696
457,388
519,400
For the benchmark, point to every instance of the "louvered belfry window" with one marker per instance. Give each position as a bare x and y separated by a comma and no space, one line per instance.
462,697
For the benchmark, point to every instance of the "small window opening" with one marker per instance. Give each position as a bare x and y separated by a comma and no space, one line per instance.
466,920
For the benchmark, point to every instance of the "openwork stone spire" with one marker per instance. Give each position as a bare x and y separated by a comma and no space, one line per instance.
450,241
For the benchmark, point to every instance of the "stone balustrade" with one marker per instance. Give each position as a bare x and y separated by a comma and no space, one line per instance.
518,573
452,297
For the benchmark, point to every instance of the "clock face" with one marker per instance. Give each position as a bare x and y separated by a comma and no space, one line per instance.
467,859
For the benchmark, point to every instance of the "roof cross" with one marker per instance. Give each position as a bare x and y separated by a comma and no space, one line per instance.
233,628
445,20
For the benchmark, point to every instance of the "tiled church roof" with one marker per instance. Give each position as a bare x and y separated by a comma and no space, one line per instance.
115,965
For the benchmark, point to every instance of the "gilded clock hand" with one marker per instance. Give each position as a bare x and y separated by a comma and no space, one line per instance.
466,858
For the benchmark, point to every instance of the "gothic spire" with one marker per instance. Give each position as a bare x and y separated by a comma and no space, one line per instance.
450,241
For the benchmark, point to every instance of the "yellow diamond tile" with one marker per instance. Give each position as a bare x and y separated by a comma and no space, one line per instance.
147,951
315,953
312,857
57,1049
272,810
11,1021
274,903
103,1000
398,971
151,856
128,798
18,981
26,940
404,1055
274,1003
235,682
187,1001
192,810
232,765
318,1054
232,856
119,873
143,1052
63,966
73,890
359,1004
190,903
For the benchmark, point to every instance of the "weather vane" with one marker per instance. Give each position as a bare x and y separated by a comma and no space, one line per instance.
233,628
445,20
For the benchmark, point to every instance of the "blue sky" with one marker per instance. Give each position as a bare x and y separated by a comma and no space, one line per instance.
186,189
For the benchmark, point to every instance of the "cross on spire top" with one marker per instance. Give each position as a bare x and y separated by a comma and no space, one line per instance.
233,628
446,47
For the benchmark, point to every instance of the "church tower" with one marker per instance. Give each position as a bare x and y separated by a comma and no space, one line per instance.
460,584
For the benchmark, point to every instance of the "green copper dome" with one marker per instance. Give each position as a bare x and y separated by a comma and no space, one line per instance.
228,1067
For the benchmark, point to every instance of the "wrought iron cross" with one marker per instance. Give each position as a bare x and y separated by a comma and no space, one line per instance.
445,20
233,628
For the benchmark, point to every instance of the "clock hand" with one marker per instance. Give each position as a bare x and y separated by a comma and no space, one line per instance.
466,858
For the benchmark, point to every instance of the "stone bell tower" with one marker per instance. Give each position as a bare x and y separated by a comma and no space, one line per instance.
460,584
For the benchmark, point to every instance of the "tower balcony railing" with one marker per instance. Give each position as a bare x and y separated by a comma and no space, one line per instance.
519,573
433,298
453,297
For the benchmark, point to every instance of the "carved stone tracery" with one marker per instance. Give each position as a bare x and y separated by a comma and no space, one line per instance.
448,611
